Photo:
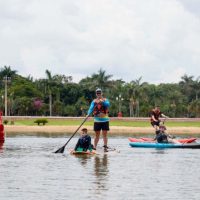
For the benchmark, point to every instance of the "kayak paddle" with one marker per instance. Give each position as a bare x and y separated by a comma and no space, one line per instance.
61,150
171,136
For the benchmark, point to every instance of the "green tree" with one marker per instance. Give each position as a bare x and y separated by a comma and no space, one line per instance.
135,93
97,80
49,82
7,71
194,108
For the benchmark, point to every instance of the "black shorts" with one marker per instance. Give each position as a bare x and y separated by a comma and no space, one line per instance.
104,126
155,123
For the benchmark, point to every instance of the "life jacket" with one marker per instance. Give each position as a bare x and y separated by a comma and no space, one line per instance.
156,114
99,108
84,143
161,138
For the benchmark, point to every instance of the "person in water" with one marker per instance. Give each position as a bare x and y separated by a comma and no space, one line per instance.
163,137
155,118
84,142
99,108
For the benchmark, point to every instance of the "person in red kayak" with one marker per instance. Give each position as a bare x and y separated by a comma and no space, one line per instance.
155,118
163,137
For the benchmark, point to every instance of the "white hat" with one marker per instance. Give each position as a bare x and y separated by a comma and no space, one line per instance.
98,90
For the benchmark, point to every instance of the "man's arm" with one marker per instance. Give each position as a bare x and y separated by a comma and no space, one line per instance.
106,103
153,117
162,115
91,108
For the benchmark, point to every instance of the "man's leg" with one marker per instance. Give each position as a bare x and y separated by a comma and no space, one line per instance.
96,138
156,130
170,140
105,138
105,129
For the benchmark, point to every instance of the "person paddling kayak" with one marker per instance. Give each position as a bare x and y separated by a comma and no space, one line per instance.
163,137
84,142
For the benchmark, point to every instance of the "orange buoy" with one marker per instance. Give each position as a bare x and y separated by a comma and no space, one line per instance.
2,138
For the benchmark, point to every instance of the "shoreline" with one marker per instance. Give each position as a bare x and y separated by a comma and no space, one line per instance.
114,130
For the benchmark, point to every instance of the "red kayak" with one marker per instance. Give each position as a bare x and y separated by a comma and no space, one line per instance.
185,140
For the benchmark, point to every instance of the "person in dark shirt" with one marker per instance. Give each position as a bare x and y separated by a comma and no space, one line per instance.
163,137
155,118
84,142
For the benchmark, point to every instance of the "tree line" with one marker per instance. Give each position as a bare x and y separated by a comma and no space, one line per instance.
58,95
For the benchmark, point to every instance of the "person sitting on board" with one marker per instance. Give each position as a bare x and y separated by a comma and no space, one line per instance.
163,137
154,118
84,142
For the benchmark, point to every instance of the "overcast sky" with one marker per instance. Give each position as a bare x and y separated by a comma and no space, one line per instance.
156,39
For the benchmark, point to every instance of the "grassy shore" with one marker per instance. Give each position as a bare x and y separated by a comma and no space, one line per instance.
70,122
117,126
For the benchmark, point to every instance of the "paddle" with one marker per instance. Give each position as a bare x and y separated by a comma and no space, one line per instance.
170,136
61,150
164,120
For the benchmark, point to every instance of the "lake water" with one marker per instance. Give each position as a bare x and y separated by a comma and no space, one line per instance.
30,171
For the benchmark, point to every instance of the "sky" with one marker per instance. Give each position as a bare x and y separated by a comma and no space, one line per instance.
158,40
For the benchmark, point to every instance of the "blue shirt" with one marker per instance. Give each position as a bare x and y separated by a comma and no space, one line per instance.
103,117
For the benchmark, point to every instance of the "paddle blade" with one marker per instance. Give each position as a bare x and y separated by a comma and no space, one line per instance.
61,150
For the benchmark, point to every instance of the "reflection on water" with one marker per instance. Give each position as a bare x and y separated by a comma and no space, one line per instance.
1,147
159,151
101,172
29,170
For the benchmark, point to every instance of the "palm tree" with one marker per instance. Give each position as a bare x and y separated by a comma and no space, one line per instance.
194,108
98,80
135,92
118,97
186,86
7,71
101,79
54,85
62,79
49,84
196,88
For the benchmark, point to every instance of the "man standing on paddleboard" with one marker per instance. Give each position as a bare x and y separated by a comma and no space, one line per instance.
99,108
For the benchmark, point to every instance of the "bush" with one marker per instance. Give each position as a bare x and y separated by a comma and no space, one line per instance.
41,121
5,121
70,110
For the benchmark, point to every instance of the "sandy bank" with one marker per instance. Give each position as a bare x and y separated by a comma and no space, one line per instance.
116,130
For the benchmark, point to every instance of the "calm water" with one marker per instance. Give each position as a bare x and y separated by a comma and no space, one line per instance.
29,171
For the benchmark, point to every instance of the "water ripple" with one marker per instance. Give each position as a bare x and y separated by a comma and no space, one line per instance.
29,170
